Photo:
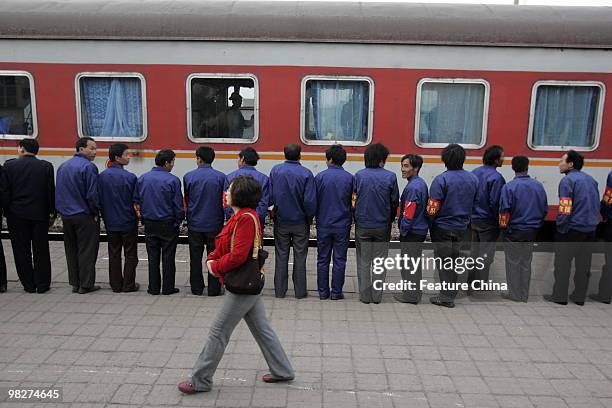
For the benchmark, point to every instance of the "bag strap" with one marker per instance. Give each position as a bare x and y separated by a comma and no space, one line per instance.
256,241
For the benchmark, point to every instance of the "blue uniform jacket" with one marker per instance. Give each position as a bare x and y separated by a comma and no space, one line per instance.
377,197
294,194
204,189
523,205
76,192
117,189
160,197
579,204
334,194
412,219
490,184
606,202
264,182
452,196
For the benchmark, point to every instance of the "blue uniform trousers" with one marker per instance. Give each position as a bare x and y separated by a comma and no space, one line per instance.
328,241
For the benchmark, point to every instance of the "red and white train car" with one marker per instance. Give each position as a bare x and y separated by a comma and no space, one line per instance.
167,74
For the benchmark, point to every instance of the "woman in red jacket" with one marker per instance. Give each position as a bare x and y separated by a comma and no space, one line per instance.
243,196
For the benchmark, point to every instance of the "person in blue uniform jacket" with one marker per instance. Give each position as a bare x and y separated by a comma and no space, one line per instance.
161,209
117,188
204,189
522,210
452,196
77,201
294,198
334,219
247,160
376,201
412,224
485,223
605,282
577,219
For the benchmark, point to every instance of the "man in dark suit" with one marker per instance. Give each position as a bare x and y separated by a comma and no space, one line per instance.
28,194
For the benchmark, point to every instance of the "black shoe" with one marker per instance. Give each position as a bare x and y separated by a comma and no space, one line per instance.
573,299
401,299
508,297
598,299
33,290
171,292
339,296
94,288
153,292
43,290
436,301
302,297
135,288
3,288
197,292
549,298
323,297
366,302
75,289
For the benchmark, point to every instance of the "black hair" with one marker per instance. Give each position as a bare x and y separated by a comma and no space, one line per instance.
29,145
82,142
164,156
336,154
206,153
292,152
453,156
520,164
375,154
116,150
492,154
245,192
415,160
576,158
249,155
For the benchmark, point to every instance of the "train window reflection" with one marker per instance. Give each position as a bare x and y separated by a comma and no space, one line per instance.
222,108
337,109
565,115
451,111
111,106
17,105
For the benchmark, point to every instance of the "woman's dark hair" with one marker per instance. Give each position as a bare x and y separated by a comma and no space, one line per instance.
82,142
492,154
249,155
453,156
245,192
576,158
206,153
292,152
520,164
163,157
336,154
29,145
116,150
416,161
375,154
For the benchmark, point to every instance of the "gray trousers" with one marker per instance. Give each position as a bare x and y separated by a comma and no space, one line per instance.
484,239
235,308
605,282
286,236
518,248
81,243
370,243
412,245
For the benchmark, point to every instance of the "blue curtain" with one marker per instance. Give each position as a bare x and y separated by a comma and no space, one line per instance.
451,113
565,115
112,107
338,110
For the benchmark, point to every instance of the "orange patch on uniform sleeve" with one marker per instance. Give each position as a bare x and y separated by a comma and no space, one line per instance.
433,206
607,197
565,205
504,219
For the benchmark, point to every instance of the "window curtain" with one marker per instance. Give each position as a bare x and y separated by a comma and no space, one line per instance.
112,107
451,113
565,115
339,110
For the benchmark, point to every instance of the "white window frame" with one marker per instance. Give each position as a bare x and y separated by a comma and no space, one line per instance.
143,90
307,78
209,140
34,134
598,115
485,109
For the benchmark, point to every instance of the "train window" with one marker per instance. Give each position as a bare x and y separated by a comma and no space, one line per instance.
222,108
17,105
111,106
565,115
337,110
451,111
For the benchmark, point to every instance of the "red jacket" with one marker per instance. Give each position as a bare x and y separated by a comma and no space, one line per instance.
224,260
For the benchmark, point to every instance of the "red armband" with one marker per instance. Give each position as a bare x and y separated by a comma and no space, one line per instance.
409,210
565,205
607,197
504,219
433,206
